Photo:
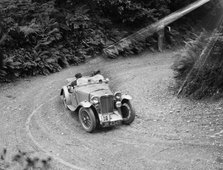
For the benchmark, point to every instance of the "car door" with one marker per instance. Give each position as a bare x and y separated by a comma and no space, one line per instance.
74,100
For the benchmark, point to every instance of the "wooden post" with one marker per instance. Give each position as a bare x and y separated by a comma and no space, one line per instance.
160,39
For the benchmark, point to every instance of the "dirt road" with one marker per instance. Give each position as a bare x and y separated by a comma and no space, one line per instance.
168,133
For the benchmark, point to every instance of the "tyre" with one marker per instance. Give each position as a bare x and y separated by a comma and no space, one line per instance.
128,113
87,119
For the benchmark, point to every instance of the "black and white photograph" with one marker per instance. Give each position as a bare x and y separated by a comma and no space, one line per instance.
111,84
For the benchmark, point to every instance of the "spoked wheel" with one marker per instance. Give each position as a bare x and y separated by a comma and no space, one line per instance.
128,113
87,119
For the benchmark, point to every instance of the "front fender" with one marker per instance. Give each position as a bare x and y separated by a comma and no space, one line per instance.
85,104
64,91
126,97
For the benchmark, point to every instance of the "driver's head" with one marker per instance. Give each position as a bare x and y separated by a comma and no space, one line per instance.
78,75
95,73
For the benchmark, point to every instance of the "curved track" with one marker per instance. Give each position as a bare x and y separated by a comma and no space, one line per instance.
168,133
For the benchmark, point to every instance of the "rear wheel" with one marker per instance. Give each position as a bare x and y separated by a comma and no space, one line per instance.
87,119
128,113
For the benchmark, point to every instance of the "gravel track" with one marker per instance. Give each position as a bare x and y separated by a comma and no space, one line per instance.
168,132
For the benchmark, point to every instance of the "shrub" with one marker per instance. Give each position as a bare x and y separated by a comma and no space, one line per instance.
127,11
197,74
22,160
40,37
186,60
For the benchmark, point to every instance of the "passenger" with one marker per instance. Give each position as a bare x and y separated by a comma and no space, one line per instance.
77,76
95,73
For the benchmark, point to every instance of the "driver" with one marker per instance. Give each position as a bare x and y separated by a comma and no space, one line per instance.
77,76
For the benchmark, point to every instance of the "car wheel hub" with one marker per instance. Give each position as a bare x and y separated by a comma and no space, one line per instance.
86,119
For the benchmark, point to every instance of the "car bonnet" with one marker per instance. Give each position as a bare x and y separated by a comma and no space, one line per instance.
95,89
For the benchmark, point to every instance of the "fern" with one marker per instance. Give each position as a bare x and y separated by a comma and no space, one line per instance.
199,71
41,37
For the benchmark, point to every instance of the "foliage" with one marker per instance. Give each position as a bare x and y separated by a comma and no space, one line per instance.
202,76
23,160
185,60
39,38
174,35
43,36
127,11
138,13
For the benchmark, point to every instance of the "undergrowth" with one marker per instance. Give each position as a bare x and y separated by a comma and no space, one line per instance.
199,76
44,36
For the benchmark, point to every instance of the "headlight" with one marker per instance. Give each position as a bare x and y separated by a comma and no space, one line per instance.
118,104
118,96
95,100
106,80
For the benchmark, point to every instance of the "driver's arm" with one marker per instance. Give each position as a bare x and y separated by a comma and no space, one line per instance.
74,83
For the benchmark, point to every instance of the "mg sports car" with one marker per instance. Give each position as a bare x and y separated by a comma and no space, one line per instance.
96,105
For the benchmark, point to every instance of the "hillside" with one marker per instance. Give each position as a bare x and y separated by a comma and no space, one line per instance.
42,37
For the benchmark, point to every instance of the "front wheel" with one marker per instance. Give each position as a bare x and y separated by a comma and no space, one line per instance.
87,119
128,113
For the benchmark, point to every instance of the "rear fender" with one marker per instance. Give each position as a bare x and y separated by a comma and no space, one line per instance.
64,91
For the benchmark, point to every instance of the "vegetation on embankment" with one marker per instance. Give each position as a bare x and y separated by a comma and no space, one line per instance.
199,69
44,36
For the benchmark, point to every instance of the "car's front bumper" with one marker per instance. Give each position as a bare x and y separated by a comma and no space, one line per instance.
110,119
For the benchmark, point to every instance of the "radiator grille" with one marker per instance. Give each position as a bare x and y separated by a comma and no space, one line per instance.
107,104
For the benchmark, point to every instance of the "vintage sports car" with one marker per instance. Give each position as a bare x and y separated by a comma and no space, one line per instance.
96,105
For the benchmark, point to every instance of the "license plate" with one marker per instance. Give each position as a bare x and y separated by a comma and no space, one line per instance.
114,123
106,118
